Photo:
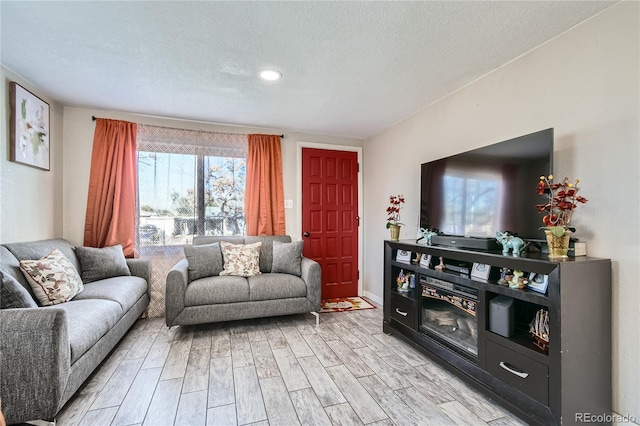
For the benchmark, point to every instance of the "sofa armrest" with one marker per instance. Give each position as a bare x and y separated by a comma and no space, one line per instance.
35,359
312,276
140,268
177,281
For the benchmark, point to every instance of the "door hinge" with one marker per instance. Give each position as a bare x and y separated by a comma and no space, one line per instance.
358,273
358,165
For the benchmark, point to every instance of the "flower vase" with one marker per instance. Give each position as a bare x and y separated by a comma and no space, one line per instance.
558,246
395,232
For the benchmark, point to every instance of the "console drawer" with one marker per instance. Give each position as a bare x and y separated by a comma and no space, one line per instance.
523,373
403,310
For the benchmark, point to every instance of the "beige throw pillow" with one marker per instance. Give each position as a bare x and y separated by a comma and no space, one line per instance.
242,260
53,278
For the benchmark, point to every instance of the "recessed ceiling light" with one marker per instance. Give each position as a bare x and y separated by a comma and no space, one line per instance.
270,75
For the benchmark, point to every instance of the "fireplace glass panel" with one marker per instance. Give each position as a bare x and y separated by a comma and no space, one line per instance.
448,315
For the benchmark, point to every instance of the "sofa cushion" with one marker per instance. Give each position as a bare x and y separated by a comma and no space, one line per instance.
214,290
241,260
126,291
89,320
276,286
38,249
13,294
99,263
266,250
203,260
53,278
287,258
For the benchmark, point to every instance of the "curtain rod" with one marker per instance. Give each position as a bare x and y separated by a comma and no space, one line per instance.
94,118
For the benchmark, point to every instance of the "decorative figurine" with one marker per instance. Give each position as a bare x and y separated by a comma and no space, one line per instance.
505,276
441,266
518,280
403,281
427,234
510,242
400,279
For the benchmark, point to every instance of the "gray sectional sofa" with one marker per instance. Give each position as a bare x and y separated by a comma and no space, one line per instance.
196,292
46,353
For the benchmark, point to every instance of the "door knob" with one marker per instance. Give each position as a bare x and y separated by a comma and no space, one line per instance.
306,234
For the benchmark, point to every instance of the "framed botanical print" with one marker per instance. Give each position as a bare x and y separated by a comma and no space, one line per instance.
29,128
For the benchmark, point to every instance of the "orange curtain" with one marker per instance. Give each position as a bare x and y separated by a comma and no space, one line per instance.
264,195
111,202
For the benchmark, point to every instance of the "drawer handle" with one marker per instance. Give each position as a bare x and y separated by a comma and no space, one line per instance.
404,314
511,370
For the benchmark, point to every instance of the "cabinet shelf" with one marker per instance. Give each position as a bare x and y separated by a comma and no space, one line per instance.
525,294
521,342
408,266
489,285
411,294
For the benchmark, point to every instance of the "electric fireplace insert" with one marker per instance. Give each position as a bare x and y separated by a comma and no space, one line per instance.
448,315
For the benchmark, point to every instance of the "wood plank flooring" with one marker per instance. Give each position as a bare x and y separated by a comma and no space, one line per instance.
275,371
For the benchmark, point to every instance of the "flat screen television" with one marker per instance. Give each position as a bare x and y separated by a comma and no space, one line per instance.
477,193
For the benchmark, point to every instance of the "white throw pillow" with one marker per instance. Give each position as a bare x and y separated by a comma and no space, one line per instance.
53,278
242,260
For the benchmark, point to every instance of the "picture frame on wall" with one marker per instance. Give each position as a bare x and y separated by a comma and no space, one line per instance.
538,282
29,128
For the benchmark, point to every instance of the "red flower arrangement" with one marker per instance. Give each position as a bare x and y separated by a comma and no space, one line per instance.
393,211
563,199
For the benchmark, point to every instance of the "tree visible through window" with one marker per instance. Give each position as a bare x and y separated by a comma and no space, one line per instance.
185,191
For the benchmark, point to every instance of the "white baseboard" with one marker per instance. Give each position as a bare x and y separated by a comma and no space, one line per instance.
372,297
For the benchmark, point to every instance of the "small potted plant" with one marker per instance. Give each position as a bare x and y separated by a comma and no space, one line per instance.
396,202
562,201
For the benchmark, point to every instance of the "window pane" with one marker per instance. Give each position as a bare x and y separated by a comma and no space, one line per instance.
166,191
224,186
171,208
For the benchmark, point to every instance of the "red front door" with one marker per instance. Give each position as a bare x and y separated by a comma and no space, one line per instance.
330,217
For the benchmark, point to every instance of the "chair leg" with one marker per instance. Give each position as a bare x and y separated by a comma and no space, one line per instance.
317,315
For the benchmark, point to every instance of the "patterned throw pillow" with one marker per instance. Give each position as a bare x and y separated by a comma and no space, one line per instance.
242,260
53,278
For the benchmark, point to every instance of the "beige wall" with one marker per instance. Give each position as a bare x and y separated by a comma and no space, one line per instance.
78,135
30,199
584,84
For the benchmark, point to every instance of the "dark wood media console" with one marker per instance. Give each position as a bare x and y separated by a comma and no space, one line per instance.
452,322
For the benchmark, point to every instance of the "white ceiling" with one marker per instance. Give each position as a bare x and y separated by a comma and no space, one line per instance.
350,68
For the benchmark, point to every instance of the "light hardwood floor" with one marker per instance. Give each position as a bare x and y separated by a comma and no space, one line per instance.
275,371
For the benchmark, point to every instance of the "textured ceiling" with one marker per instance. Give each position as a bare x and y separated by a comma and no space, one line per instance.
350,68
